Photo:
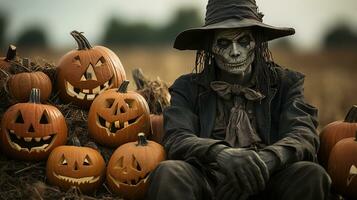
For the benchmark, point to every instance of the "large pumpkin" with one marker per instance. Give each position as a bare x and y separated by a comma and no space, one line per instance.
30,131
20,85
130,166
335,132
88,71
342,167
5,62
117,116
69,166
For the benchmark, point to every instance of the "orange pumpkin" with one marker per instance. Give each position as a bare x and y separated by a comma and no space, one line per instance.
342,167
130,166
335,132
117,116
88,71
30,131
82,167
20,85
10,56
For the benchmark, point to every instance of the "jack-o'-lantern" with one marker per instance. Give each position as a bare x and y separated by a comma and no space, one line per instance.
20,85
82,167
117,116
10,56
342,167
30,131
130,166
335,132
88,71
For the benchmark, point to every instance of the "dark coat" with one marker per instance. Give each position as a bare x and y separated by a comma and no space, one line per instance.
284,120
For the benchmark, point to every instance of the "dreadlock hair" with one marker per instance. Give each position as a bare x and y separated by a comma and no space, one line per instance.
263,61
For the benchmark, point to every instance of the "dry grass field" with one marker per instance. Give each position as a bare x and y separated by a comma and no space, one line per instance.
330,84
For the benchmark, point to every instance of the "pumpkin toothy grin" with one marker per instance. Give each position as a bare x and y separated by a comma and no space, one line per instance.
87,93
29,144
133,182
78,181
113,127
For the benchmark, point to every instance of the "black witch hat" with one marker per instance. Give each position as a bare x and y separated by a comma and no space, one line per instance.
227,14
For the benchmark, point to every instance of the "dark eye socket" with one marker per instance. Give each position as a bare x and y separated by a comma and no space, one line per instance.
223,42
245,40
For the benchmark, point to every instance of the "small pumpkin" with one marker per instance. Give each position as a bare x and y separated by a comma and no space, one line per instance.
20,85
117,116
335,132
130,166
88,71
342,167
82,167
5,62
30,131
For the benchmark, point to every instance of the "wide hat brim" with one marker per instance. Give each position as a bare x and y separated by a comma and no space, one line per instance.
196,38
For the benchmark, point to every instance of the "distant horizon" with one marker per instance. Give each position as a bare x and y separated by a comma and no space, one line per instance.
311,19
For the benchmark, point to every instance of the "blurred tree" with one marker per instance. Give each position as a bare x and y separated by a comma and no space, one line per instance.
119,32
3,23
32,37
341,37
185,18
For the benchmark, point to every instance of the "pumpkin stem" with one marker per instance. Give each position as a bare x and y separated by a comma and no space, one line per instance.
351,116
11,53
123,88
35,96
80,43
142,141
84,40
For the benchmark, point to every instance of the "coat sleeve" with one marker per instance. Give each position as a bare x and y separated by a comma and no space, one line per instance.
182,125
297,125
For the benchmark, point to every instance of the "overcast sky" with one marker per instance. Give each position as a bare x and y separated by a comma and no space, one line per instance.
310,18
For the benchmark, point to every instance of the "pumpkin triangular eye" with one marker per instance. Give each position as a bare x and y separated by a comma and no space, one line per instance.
100,62
87,161
135,164
44,118
130,103
63,160
120,163
109,103
19,118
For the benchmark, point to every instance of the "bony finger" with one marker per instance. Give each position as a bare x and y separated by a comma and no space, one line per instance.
243,181
252,177
256,174
263,168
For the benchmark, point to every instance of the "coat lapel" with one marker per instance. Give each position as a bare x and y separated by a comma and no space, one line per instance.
207,108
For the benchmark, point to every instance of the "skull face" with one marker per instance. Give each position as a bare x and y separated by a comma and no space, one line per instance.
234,50
75,166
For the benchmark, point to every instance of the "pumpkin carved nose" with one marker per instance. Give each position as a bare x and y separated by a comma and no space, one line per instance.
76,167
31,129
89,74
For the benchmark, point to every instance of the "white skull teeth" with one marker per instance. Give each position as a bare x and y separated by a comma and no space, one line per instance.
113,127
86,93
77,181
29,144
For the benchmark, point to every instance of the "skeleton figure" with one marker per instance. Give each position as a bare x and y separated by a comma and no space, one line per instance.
240,129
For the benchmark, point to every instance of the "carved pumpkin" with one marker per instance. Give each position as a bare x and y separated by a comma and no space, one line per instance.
342,167
31,130
69,166
117,116
157,127
130,166
335,132
88,71
20,85
10,56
